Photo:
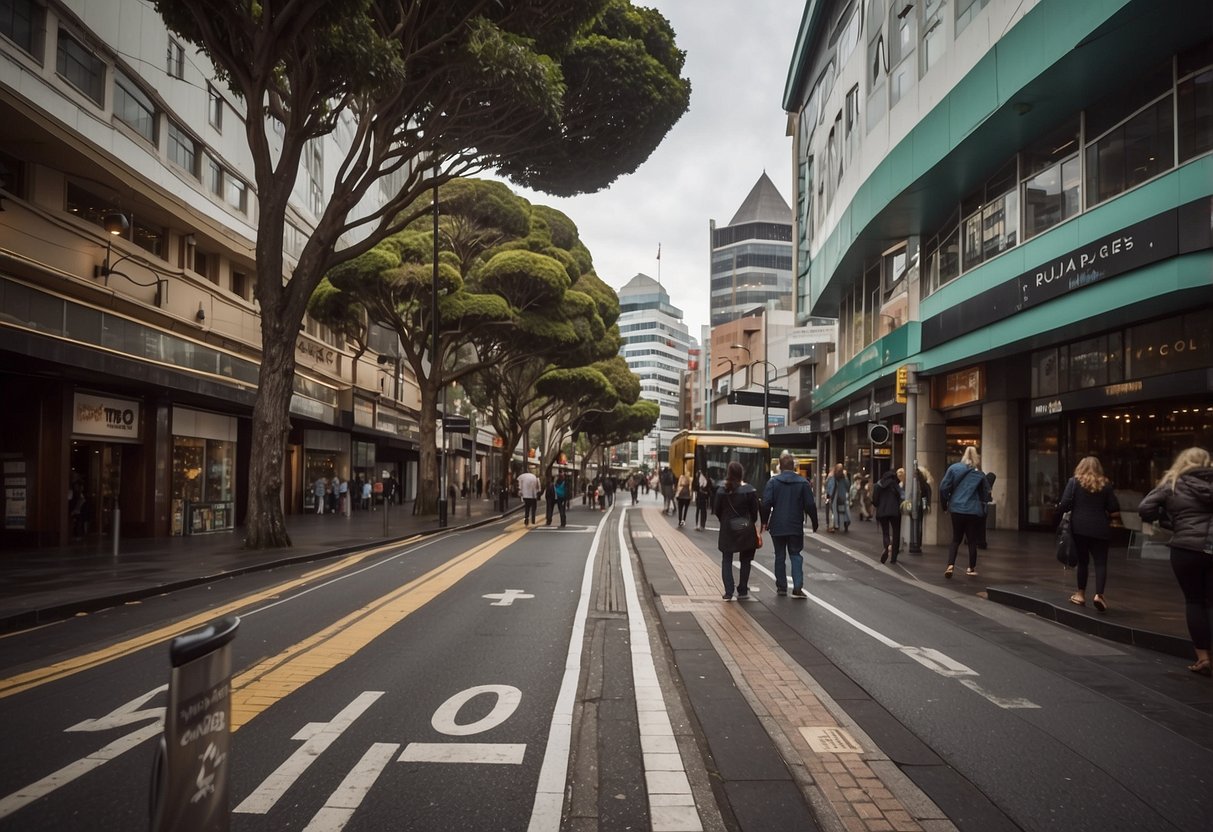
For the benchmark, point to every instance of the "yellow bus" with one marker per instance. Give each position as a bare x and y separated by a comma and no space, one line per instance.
712,451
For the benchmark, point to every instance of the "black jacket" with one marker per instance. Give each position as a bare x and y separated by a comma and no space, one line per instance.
1190,507
887,495
1089,513
744,503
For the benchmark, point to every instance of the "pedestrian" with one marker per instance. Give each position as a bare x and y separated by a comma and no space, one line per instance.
982,543
1183,500
367,488
528,490
786,500
887,495
549,499
561,489
318,490
1093,508
923,477
965,493
682,495
600,494
479,487
610,484
343,497
704,490
736,507
838,495
864,499
667,491
634,486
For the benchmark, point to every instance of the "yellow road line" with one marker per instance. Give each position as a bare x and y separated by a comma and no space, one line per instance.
277,677
67,667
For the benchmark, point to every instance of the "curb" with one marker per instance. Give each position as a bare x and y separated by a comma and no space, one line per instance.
60,612
1018,598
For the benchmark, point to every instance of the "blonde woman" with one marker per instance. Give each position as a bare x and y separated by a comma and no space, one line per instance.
964,492
1093,511
1184,497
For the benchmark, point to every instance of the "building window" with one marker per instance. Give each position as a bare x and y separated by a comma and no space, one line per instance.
313,162
1194,101
1052,185
991,218
21,21
214,177
182,149
903,37
214,108
934,44
236,193
240,285
92,208
966,10
176,59
134,107
1134,151
77,65
852,124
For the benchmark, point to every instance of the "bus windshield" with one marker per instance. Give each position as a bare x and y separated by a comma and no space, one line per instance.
715,459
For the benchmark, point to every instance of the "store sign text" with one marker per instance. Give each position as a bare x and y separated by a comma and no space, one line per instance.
96,416
1077,262
316,352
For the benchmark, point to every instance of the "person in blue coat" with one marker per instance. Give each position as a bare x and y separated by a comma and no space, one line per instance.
786,500
964,491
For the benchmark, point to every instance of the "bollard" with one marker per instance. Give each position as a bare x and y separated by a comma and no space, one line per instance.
190,777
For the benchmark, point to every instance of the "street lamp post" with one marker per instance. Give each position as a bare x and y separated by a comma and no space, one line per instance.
766,396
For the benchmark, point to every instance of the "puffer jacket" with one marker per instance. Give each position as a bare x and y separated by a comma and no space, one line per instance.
887,495
1190,507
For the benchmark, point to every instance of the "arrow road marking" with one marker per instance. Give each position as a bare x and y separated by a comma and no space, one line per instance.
317,737
507,598
348,796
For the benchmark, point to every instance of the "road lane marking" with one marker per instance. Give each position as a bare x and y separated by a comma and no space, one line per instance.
553,772
348,796
60,670
271,680
318,740
928,657
671,802
508,699
507,598
493,753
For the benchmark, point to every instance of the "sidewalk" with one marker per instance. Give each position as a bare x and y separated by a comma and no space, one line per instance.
40,585
1145,606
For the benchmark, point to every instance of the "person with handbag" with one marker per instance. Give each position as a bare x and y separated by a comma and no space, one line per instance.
838,498
682,496
1183,500
887,495
736,508
964,492
1093,507
786,500
704,489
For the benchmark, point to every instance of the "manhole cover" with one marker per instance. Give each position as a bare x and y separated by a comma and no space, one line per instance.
831,740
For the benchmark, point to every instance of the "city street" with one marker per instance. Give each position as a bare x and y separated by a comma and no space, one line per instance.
502,677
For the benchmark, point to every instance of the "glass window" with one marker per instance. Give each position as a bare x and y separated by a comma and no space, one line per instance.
1195,108
214,108
849,39
877,64
1052,196
1088,363
949,257
21,22
903,37
133,106
1170,345
933,42
1000,225
1044,373
214,177
1128,99
966,10
1131,153
182,149
236,193
176,59
81,68
852,123
895,265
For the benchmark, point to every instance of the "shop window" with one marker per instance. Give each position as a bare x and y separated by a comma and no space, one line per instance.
182,149
1044,373
22,21
1131,153
1044,480
77,65
1171,345
134,107
1088,363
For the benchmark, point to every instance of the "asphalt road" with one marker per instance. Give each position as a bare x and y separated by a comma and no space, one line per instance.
414,688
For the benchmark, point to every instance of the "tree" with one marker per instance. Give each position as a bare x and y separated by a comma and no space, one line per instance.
561,95
623,423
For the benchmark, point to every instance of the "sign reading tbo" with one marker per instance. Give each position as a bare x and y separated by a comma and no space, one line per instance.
105,417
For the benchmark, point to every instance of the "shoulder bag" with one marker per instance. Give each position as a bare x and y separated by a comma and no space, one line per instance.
1066,555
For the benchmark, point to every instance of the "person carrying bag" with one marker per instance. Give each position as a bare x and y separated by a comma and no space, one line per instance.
1091,503
736,507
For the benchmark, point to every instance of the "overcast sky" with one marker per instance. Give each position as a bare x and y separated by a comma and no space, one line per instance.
737,55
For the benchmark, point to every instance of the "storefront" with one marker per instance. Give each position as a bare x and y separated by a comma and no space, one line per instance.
106,460
203,486
959,396
326,454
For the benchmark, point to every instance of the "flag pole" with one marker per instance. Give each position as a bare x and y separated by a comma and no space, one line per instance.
659,264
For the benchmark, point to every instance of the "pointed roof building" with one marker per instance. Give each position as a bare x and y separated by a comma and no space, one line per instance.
764,204
751,257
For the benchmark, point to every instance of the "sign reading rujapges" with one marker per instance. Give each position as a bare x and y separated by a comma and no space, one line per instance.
105,417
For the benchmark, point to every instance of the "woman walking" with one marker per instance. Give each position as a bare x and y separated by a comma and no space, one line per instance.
887,495
682,495
703,496
965,492
736,508
838,498
1093,508
1184,496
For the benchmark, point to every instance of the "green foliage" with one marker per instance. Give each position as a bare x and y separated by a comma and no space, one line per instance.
528,280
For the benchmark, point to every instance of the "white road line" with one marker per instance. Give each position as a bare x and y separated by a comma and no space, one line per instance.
493,753
70,772
318,737
671,803
549,791
928,657
348,796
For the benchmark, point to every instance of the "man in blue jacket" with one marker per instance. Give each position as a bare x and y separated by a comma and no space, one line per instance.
785,501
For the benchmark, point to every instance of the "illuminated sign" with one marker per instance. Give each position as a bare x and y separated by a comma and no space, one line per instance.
105,417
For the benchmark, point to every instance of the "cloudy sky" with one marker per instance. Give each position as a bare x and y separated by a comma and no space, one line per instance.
737,54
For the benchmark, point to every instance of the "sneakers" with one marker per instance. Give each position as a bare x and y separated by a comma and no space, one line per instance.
972,572
947,573
781,592
728,596
741,596
799,593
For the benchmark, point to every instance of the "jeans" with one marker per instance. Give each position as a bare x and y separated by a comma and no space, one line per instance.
551,508
790,545
964,525
726,571
683,505
1098,549
1194,571
529,507
890,530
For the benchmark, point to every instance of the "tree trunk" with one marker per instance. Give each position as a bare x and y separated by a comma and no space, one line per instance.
265,522
427,487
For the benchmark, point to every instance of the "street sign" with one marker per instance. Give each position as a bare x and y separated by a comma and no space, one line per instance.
903,380
878,433
457,424
753,398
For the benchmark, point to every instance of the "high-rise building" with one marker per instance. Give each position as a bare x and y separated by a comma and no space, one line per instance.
656,345
1007,206
751,257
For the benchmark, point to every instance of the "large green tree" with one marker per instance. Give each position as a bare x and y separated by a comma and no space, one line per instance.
561,95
